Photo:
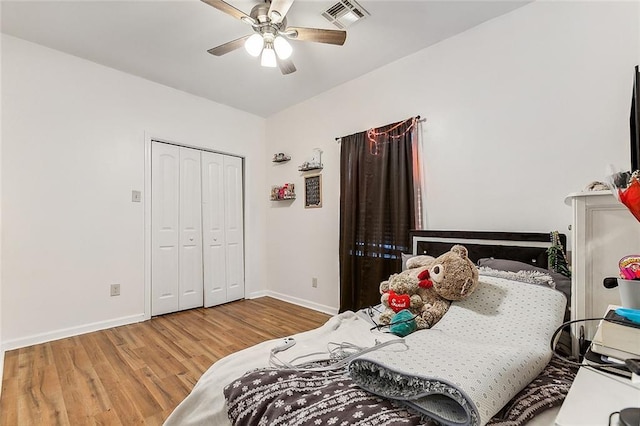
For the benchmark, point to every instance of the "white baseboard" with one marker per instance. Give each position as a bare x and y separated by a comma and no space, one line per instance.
256,294
96,326
68,332
296,301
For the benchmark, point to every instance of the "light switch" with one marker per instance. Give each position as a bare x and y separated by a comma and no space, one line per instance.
136,196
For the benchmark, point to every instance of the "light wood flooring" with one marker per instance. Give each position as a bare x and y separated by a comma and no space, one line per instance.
138,373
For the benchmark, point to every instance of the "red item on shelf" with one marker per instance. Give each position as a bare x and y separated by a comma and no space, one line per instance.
630,197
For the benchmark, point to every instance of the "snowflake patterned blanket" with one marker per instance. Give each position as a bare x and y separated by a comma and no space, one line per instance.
292,397
475,359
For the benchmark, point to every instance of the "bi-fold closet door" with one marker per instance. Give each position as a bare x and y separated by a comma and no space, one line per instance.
197,228
223,232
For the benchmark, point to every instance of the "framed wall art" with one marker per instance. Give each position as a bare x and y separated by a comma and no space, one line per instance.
313,191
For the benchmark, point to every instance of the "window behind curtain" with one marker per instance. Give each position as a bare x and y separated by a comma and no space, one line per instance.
377,209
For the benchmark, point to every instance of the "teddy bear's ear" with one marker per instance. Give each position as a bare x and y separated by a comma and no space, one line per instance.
461,250
419,261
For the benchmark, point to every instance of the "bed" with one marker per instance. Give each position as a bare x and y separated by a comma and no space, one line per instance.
431,377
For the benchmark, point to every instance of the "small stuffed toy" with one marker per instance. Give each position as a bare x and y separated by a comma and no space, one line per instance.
399,293
451,276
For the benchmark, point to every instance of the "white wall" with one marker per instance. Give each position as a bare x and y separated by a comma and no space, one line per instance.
521,111
1,348
73,142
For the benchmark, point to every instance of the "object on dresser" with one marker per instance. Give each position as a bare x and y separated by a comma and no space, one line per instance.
629,291
616,340
632,315
620,333
596,186
610,365
629,281
630,267
626,188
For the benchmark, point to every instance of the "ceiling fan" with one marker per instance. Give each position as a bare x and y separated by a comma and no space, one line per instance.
269,40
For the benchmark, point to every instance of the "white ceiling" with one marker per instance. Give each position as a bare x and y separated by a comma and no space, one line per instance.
167,42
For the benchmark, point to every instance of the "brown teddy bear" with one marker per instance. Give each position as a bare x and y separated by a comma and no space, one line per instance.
451,276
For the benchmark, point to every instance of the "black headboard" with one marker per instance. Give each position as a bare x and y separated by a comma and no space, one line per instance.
528,247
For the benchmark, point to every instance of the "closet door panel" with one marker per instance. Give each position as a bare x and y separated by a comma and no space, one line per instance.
213,222
165,230
234,227
190,284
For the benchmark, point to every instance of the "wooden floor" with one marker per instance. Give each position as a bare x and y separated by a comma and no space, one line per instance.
136,374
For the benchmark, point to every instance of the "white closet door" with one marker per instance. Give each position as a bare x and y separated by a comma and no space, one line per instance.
165,166
234,227
215,291
190,263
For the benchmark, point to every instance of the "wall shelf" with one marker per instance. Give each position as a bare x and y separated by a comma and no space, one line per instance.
283,193
309,167
281,157
315,163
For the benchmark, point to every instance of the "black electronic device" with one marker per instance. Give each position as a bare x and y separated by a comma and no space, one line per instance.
634,122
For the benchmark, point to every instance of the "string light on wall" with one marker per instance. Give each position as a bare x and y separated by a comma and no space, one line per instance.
374,144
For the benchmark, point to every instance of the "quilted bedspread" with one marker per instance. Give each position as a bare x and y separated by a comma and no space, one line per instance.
485,350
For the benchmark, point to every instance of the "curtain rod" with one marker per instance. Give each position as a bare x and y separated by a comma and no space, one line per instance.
417,117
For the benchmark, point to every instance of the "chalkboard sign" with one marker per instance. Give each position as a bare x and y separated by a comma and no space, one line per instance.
313,191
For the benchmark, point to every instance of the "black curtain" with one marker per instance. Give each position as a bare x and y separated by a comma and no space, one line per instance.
376,210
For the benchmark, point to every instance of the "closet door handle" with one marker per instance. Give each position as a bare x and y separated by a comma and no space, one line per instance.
190,238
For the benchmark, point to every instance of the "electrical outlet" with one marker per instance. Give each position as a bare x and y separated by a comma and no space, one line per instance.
115,289
314,282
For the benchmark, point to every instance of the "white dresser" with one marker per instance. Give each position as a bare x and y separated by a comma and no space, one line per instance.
603,231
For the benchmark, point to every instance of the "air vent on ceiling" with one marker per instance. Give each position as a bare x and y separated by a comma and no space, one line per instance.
345,13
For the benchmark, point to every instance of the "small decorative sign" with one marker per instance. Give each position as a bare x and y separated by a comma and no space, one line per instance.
313,191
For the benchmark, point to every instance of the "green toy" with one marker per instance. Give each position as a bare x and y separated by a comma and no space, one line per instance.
403,323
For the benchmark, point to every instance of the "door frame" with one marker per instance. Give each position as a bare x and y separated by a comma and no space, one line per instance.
146,201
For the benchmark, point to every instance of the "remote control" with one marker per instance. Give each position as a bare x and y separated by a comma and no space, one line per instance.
286,344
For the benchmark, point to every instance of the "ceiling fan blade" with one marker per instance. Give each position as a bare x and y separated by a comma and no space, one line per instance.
279,9
229,46
286,66
317,35
230,10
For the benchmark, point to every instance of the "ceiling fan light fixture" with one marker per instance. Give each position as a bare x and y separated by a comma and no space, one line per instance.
276,17
282,47
254,45
268,57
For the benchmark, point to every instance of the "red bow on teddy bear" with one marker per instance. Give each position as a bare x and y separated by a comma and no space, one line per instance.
425,281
